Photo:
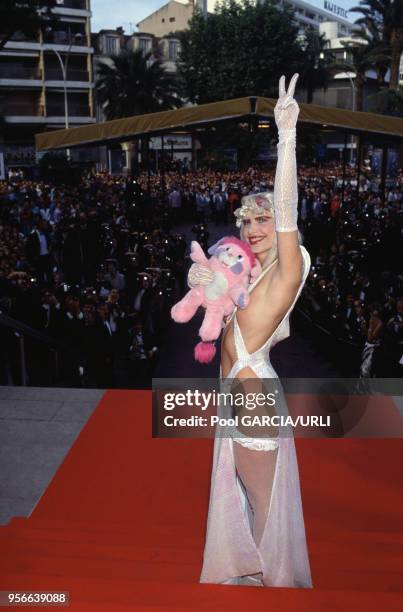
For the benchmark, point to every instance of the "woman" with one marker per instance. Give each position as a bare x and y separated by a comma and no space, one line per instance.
255,531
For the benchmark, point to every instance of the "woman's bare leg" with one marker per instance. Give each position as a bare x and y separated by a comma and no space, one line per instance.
256,469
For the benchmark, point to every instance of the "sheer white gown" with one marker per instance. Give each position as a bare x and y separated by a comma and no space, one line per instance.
230,551
268,465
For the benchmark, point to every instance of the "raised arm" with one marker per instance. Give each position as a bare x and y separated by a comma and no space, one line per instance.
285,185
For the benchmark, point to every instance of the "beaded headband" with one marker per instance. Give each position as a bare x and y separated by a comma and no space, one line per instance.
253,205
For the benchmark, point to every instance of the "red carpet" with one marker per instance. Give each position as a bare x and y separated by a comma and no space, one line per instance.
121,526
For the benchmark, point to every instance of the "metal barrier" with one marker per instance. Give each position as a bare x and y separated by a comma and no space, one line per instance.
343,354
23,333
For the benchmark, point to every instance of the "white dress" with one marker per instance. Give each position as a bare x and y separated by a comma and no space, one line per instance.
230,550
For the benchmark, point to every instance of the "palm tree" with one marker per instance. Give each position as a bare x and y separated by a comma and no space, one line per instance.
389,101
362,54
134,83
358,60
373,36
395,102
387,16
315,72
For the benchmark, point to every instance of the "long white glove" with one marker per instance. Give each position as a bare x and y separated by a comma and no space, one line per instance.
285,184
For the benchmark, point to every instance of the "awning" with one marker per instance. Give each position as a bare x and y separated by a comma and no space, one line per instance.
152,123
340,118
128,128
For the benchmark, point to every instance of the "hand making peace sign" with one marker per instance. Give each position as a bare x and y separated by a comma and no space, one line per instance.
286,110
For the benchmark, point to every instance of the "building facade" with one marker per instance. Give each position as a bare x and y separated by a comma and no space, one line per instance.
164,24
33,76
106,43
172,16
175,15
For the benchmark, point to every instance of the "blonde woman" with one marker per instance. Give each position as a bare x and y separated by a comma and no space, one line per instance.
255,529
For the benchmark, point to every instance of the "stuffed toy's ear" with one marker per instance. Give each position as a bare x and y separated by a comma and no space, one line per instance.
212,250
196,253
256,270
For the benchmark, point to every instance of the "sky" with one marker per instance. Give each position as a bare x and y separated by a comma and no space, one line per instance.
109,14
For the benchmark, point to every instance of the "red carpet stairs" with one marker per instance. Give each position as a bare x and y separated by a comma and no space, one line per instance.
121,526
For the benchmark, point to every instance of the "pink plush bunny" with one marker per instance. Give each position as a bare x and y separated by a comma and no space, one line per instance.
232,265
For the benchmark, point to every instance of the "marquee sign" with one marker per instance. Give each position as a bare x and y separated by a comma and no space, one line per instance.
333,8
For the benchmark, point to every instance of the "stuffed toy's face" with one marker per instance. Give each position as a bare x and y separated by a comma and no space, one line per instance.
232,257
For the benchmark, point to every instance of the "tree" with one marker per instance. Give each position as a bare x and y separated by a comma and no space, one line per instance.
240,50
389,101
134,83
387,17
362,55
373,36
26,16
314,73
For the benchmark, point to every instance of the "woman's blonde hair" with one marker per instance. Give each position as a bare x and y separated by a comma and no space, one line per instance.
250,202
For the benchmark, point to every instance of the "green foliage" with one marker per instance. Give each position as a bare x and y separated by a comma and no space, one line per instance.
377,47
388,102
314,73
385,16
240,50
363,54
134,83
26,16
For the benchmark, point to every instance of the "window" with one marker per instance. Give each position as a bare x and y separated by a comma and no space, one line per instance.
163,20
172,19
111,45
145,44
173,50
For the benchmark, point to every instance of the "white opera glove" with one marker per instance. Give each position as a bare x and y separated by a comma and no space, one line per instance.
199,275
286,114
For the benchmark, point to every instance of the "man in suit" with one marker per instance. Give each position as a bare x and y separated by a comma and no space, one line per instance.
142,354
103,348
72,328
143,297
37,250
51,314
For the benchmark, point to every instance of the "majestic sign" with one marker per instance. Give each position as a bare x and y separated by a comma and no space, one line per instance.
333,8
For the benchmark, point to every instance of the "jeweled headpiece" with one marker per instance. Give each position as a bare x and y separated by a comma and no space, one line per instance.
255,204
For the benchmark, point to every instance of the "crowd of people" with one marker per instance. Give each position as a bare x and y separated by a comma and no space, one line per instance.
96,267
354,291
93,267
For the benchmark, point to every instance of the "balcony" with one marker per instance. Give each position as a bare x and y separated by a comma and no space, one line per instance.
55,74
75,110
21,37
9,71
73,4
24,109
66,38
